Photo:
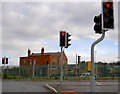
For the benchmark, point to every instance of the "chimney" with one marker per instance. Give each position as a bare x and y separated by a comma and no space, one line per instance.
29,52
42,51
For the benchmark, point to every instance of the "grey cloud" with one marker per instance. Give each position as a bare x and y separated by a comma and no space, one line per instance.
45,19
24,23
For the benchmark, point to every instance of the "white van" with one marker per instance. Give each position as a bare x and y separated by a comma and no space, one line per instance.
88,75
85,75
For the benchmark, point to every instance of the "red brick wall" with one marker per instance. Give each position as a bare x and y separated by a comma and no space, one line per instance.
41,60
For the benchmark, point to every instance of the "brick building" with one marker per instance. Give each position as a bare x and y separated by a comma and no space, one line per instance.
47,64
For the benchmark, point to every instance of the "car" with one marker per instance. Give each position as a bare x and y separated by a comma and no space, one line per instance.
85,75
88,75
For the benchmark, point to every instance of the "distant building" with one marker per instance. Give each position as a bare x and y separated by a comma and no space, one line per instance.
45,64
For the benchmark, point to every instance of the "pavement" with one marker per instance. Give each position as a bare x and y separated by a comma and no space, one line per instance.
24,86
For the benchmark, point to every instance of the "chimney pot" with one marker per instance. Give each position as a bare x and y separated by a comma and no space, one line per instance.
29,52
42,51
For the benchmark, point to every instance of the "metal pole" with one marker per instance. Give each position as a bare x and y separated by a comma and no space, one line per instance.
61,71
113,70
76,65
92,78
79,67
96,62
19,70
7,69
5,61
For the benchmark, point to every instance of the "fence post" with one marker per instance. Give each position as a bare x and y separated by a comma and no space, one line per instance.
19,71
79,70
113,70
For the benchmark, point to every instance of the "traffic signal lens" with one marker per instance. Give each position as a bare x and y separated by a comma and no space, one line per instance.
108,5
63,33
3,60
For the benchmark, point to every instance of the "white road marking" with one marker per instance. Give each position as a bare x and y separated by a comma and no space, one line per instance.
98,83
51,88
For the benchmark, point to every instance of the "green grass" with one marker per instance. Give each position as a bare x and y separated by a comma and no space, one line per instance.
107,78
82,78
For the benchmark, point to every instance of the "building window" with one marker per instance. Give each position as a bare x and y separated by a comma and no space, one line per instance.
34,62
54,62
30,62
47,62
24,62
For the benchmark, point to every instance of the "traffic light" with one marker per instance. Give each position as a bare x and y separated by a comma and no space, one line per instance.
67,40
108,18
62,38
3,60
98,24
6,60
79,59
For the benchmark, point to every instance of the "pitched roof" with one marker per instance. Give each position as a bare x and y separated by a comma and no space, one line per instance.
47,54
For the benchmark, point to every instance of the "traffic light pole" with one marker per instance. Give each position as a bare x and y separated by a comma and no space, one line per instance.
5,61
76,65
61,70
92,78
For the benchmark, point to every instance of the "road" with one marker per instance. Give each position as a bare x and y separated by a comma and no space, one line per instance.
39,86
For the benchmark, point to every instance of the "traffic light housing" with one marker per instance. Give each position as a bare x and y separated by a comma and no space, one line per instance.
79,59
98,24
6,60
89,66
62,38
108,14
67,40
3,60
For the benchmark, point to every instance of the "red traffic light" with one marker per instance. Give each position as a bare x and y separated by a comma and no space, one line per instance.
63,33
62,38
107,5
3,58
108,14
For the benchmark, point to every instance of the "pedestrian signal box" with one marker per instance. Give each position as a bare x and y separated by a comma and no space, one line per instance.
89,66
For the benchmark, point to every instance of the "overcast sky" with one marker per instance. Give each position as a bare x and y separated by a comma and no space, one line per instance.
33,25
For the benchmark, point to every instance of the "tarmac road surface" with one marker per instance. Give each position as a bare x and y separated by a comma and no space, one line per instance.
39,86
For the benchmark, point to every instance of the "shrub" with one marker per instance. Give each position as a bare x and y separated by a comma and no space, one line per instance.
5,76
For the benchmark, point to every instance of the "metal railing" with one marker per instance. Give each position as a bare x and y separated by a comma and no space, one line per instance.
69,71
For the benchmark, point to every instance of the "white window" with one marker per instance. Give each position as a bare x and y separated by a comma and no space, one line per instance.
54,62
30,62
24,62
34,62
